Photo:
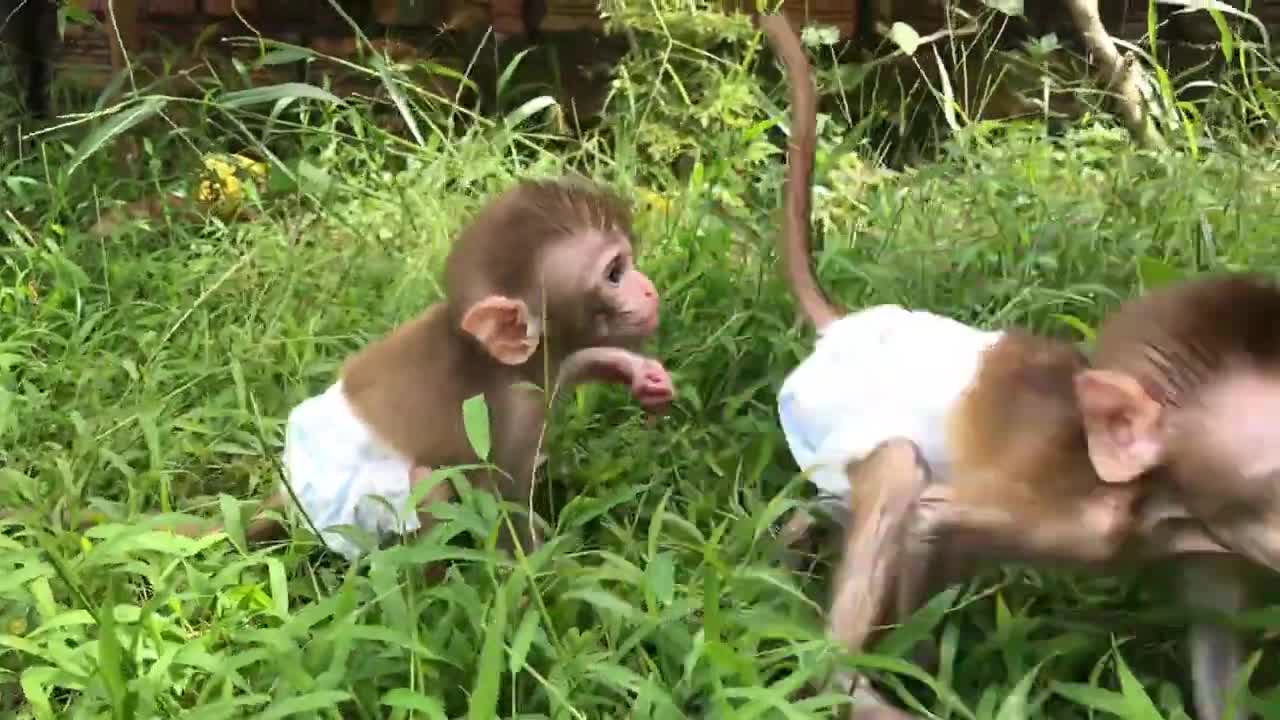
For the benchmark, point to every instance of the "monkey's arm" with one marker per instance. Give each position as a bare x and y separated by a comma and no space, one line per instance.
1210,578
649,382
883,488
520,415
1212,583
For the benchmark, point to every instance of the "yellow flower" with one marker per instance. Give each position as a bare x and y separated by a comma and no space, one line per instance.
653,200
221,186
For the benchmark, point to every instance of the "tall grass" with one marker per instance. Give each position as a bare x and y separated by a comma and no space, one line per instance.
152,370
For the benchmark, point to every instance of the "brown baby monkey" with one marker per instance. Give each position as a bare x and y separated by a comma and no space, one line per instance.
541,292
1162,450
951,446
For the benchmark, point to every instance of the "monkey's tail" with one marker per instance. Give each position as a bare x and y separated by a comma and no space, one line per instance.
794,239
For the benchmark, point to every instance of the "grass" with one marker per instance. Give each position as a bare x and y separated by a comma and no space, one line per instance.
152,370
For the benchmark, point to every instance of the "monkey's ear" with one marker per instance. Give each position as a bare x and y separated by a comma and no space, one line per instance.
503,327
1122,424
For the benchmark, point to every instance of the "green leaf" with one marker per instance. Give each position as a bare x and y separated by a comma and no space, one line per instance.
1093,697
111,658
151,436
1076,324
1138,702
660,576
529,109
918,626
406,699
225,708
1014,706
509,71
523,640
819,35
231,521
484,695
902,667
402,105
905,37
120,122
285,55
279,587
603,601
475,420
310,704
34,685
272,93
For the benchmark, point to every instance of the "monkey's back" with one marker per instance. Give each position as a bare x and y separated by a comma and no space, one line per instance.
876,374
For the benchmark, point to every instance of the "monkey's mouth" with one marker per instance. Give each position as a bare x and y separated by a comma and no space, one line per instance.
649,325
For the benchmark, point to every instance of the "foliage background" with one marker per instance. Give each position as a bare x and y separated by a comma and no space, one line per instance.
152,368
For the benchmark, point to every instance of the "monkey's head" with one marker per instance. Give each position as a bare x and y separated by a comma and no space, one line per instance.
1186,389
550,261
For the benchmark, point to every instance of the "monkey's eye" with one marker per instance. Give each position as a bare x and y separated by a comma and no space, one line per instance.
613,273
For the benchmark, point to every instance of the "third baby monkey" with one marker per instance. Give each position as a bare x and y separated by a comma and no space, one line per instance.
955,446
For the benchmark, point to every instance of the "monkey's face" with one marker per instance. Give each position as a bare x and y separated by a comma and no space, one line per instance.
602,299
1220,449
1223,454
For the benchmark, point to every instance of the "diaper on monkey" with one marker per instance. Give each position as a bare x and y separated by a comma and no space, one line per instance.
342,475
880,373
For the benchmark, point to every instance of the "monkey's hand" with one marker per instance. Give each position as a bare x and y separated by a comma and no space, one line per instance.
651,385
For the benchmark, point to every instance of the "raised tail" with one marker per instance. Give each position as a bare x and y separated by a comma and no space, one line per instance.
794,239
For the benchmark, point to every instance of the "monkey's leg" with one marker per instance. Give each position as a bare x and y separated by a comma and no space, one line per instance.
884,487
869,705
442,492
1214,583
802,535
797,528
266,529
259,530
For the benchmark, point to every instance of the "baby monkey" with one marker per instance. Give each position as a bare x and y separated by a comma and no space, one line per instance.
1164,449
950,446
540,286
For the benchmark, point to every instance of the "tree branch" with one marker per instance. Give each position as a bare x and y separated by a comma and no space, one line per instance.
1120,72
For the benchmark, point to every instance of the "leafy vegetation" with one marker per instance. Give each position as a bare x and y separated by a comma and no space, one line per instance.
152,370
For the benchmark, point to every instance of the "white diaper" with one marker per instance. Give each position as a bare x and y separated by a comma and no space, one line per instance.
876,374
338,471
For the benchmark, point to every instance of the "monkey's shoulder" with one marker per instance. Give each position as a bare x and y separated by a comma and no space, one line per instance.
1026,368
876,374
1022,404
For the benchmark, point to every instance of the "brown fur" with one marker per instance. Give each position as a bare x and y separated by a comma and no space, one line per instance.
1175,339
1019,418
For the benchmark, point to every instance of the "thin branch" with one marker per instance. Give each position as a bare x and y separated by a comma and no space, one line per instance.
1120,72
